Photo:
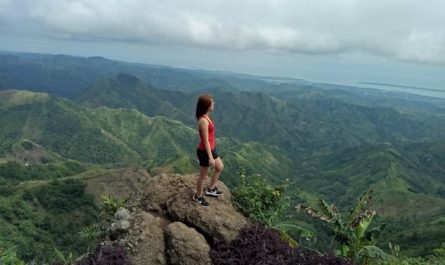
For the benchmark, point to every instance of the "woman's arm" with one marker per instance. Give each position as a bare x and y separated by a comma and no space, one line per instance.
204,129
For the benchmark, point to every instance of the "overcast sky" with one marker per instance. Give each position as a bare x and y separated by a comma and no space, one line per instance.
343,41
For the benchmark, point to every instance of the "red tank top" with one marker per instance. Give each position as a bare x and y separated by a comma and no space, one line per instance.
201,145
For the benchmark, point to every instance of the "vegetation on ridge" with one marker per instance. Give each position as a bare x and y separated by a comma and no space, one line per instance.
330,141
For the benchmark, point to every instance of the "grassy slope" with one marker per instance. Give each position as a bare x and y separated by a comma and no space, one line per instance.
90,135
102,135
408,183
396,175
323,121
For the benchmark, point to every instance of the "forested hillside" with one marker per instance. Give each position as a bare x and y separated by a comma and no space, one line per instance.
89,116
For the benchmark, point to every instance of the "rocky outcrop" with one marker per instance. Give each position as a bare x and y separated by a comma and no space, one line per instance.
122,220
168,227
146,240
186,246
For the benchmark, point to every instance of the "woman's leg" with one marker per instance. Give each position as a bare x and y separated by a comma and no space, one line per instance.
219,167
202,177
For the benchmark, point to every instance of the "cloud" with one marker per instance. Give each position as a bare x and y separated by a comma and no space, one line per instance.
5,7
403,30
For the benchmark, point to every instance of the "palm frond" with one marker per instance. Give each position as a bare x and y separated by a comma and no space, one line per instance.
92,232
314,213
360,207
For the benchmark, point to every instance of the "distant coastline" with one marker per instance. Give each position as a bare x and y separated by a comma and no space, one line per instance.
402,86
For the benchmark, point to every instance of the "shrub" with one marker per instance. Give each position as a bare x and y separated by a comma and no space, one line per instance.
257,244
106,255
9,257
437,258
264,203
14,171
258,200
64,196
110,205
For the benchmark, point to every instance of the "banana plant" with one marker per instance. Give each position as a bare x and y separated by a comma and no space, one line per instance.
65,260
352,234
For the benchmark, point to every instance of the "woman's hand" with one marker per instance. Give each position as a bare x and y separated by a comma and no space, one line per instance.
211,162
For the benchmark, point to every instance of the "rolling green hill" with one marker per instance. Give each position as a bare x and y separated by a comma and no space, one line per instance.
71,76
59,126
126,91
51,148
331,141
408,183
57,129
336,148
405,179
303,123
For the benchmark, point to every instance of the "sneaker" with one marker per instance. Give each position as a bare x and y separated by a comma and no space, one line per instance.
200,200
213,192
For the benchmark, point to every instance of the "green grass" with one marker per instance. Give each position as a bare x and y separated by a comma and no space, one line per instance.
306,143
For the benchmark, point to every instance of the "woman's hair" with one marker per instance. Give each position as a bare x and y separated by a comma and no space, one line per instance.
204,103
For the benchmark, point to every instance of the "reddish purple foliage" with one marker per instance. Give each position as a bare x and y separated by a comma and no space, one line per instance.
106,255
256,244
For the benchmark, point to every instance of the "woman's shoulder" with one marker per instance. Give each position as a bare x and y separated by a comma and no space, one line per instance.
205,118
202,120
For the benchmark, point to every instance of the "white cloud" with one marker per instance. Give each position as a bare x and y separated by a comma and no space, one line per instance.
5,7
411,30
5,4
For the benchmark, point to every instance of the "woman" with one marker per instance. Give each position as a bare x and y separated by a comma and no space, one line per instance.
206,151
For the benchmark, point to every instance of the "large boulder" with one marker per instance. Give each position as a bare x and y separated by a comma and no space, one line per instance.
171,195
186,246
146,240
122,220
219,222
169,227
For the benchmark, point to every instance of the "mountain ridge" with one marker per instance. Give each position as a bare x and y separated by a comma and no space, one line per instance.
327,139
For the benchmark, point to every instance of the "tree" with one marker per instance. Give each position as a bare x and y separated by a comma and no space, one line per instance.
355,240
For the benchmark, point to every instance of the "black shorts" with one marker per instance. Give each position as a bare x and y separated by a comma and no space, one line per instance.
204,158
